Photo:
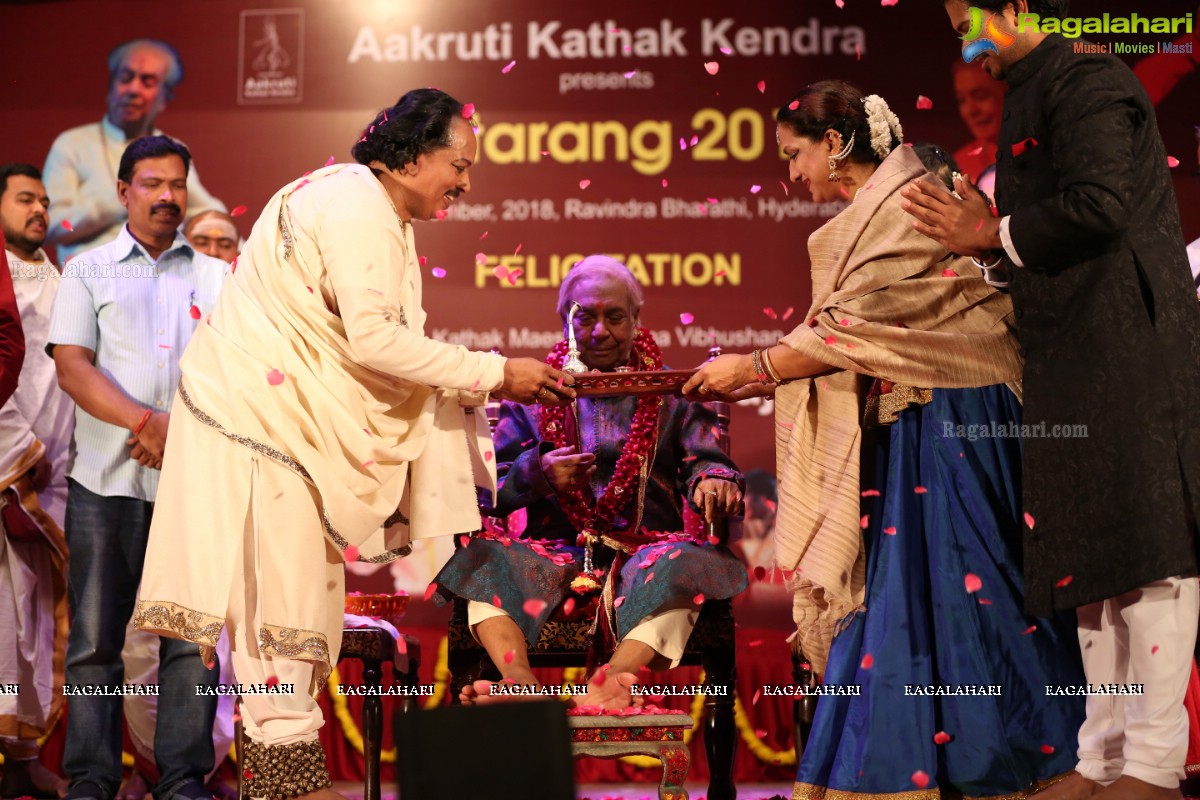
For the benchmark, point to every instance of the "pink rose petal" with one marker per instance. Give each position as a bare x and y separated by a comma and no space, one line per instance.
979,225
631,73
686,318
66,223
770,312
1029,520
1065,581
1172,162
941,737
507,68
430,590
870,493
583,184
864,521
923,102
237,211
275,377
332,160
350,553
273,680
664,183
534,606
792,106
711,67
568,606
1154,650
509,656
831,339
1048,749
949,273
488,456
699,599
983,601
919,778
972,582
438,272
468,110
617,602
920,490
496,601
890,530
1029,630
867,662
762,86
757,694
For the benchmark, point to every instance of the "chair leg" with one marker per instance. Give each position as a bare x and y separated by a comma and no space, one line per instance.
466,666
372,724
406,671
720,731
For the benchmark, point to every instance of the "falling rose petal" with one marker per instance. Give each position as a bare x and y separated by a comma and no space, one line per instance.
66,223
762,86
526,443
839,3
1172,162
695,141
534,606
488,456
617,602
770,312
518,250
941,737
864,521
402,646
686,318
870,493
785,188
949,273
1066,581
441,213
1020,147
350,553
983,601
631,73
464,540
568,606
237,211
919,778
857,52
792,106
761,733
468,110
755,189
367,463
483,235
1154,650
972,582
698,599
1029,630
712,200
273,680
194,312
664,183
975,151
332,160
496,600
867,662
507,68
831,339
438,272
475,386
674,555
979,224
649,577
509,656
583,184
714,540
711,67
920,490
890,530
1047,749
600,676
754,643
682,143
757,694
275,377
310,291
430,590
923,102
1029,520
559,384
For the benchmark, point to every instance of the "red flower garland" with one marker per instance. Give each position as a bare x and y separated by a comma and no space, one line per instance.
597,519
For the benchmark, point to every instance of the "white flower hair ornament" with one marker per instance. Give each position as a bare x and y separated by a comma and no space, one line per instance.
883,124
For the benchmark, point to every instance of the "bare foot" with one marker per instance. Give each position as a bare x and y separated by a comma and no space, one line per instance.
30,778
485,694
467,695
135,787
610,691
1129,788
1072,787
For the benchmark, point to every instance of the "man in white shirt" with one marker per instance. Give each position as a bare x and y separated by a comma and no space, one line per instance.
123,315
35,434
81,168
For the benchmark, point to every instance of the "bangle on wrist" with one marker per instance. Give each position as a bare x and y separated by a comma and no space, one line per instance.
142,423
772,373
760,371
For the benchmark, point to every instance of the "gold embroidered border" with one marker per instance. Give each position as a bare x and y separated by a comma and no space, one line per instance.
885,409
295,466
809,791
301,645
165,617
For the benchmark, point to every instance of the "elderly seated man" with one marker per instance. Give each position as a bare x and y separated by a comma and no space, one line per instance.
603,494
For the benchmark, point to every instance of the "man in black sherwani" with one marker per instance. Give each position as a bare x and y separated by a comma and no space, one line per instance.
1107,317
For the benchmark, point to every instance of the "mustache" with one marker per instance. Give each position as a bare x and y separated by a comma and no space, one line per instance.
172,207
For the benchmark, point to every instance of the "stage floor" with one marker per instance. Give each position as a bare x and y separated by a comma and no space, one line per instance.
620,791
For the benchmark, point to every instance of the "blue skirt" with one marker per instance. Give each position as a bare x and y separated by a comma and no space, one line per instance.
924,630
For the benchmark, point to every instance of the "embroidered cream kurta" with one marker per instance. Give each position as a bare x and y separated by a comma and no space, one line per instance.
887,303
314,362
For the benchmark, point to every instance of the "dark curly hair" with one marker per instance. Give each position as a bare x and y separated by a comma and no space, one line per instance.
832,104
417,124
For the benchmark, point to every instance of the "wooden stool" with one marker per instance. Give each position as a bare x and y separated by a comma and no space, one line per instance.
658,735
371,646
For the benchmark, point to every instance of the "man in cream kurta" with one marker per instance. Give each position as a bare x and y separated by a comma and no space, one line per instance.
35,433
306,404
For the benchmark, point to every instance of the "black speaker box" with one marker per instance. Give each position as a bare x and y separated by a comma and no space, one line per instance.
504,751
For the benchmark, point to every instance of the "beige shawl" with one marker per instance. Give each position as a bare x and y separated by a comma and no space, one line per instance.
316,352
888,303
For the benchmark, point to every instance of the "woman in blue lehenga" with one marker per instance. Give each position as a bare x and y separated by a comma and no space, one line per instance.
899,515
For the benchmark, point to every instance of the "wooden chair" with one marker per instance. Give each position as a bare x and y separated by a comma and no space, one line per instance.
564,642
371,646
